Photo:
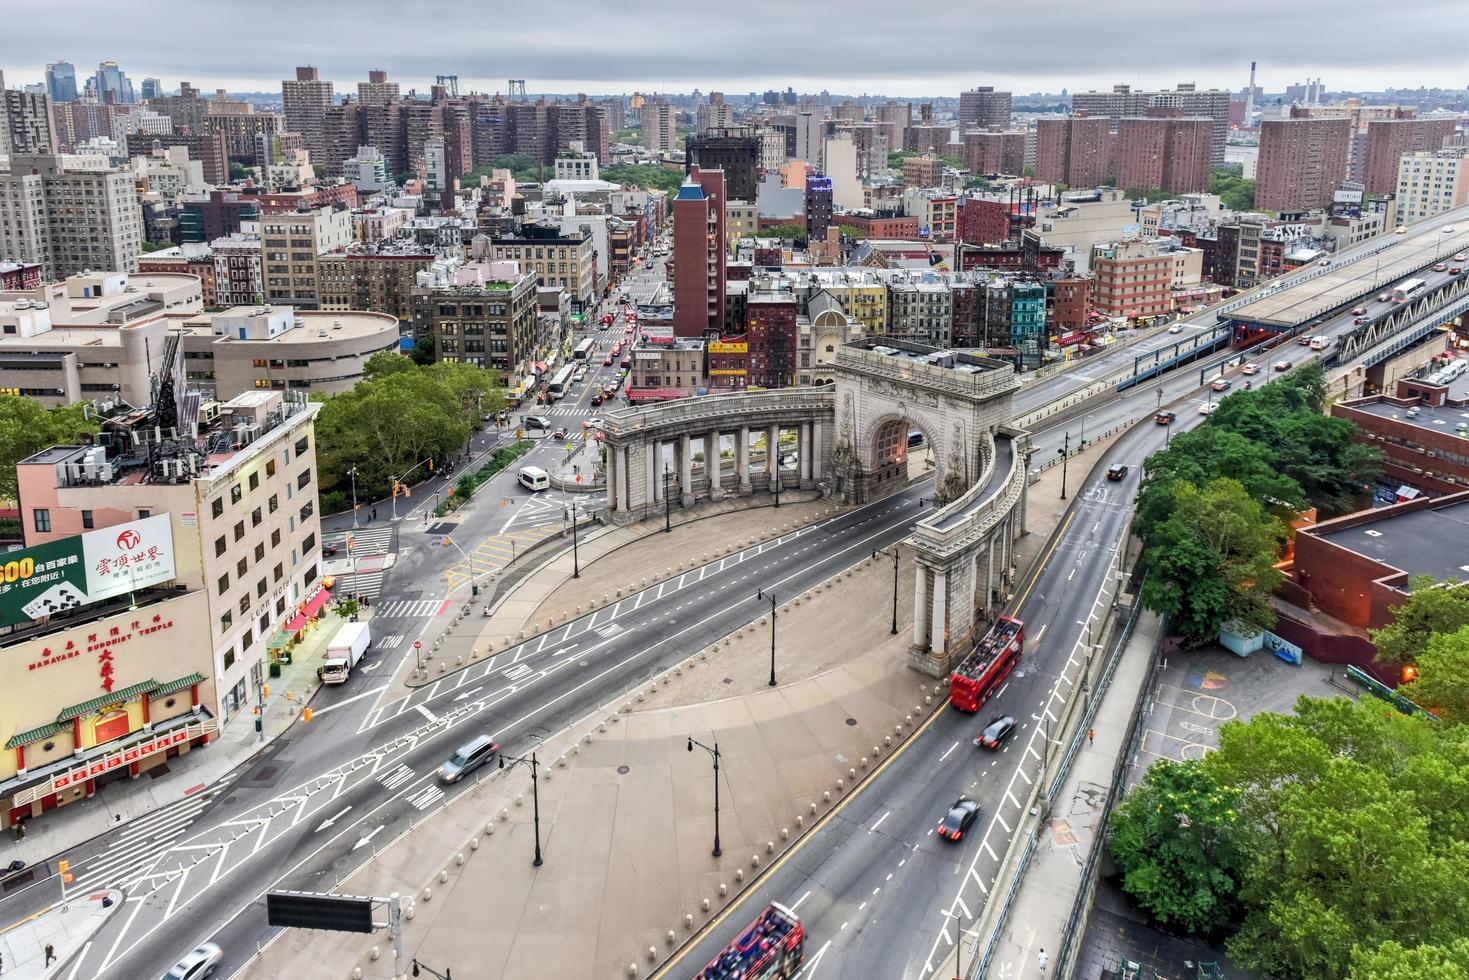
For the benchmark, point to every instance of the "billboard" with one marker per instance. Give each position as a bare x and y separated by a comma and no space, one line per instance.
59,576
658,332
726,347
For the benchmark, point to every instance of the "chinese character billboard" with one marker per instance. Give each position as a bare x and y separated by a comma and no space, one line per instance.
54,578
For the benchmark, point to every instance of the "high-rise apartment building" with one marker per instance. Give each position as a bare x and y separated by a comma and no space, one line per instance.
306,99
152,88
26,122
1075,150
483,314
1302,162
1189,99
994,151
1432,183
68,218
1162,151
735,150
660,133
377,90
1389,140
291,244
61,81
984,108
556,257
818,206
698,254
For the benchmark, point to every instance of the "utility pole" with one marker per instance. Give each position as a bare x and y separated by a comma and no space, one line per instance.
713,754
895,585
575,560
535,794
1064,452
353,472
667,501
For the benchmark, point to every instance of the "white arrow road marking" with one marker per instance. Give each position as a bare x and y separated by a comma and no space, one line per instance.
332,819
468,693
361,841
809,970
368,670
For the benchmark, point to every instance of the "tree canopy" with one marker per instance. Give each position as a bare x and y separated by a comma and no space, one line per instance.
1235,192
1429,610
1272,443
524,168
399,416
1442,682
644,175
27,427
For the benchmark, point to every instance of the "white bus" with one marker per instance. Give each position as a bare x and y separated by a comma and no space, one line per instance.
1407,289
561,382
584,349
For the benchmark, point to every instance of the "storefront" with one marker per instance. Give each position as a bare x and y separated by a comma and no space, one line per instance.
105,698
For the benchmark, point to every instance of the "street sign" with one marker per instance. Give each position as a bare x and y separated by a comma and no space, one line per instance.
316,910
418,644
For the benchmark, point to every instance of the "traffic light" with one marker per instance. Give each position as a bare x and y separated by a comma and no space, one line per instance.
63,868
265,690
407,492
306,715
446,541
430,464
395,488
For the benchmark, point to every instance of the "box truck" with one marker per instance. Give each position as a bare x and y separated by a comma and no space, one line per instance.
343,652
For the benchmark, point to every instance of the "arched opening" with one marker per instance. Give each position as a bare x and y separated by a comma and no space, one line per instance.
893,444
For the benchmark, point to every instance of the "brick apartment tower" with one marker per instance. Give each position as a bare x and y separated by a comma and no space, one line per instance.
306,100
1302,162
698,254
1164,150
984,108
1389,140
1075,150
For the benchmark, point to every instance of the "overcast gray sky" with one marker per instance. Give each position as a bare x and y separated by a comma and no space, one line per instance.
909,48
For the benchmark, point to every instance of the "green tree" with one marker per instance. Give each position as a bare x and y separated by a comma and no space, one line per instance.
895,159
1151,195
628,135
645,176
1203,454
1174,838
782,231
852,231
976,184
525,169
1027,171
385,363
1213,559
1234,191
1442,684
26,427
238,171
1351,834
1393,961
1430,610
951,162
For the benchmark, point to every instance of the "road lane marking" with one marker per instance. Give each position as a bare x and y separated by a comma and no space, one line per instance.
879,824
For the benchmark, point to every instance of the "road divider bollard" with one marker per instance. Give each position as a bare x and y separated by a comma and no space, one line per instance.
688,920
474,843
770,847
785,833
723,889
704,904
754,860
504,815
813,809
443,875
826,796
841,783
428,894
652,953
739,874
411,910
852,773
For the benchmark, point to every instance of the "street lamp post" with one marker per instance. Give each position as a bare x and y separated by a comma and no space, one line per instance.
713,754
473,574
895,585
520,760
760,594
575,559
1064,451
667,501
353,473
446,975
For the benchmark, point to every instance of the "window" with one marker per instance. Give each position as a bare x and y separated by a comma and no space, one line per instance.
87,523
260,552
244,604
219,546
275,538
280,606
239,530
303,479
278,572
217,506
43,519
270,467
247,639
260,588
236,494
226,620
224,584
273,503
264,623
143,515
256,517
302,444
309,545
241,567
229,659
254,481
307,511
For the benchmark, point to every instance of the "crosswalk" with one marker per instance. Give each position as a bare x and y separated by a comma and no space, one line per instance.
374,539
141,844
396,777
426,797
410,608
368,584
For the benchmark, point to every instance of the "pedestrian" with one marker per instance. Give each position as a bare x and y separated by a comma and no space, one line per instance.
374,513
1091,736
50,954
20,830
1040,961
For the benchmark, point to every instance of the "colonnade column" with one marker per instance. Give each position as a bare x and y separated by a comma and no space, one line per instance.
806,442
921,607
772,455
742,459
941,612
686,470
612,477
712,464
655,470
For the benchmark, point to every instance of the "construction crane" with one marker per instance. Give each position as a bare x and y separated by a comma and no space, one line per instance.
450,80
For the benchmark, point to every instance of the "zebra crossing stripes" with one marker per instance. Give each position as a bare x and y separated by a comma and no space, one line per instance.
426,797
368,584
410,608
609,630
140,845
396,777
371,540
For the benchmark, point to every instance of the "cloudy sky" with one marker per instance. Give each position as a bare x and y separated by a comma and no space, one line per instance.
911,48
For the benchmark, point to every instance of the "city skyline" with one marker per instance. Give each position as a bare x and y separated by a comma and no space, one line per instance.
654,53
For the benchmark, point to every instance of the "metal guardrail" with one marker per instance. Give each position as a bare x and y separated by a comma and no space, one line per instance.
1119,644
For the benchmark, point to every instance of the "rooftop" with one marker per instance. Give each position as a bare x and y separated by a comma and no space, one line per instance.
1445,419
308,326
1427,541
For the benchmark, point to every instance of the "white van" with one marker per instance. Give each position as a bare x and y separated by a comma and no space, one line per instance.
534,479
1320,342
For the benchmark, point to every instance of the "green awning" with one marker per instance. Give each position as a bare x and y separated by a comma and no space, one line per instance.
87,707
172,687
35,734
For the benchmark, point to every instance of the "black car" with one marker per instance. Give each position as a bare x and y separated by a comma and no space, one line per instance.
996,732
1165,418
963,813
1117,472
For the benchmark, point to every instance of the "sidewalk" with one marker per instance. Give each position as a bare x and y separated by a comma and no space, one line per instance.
23,947
626,810
1038,916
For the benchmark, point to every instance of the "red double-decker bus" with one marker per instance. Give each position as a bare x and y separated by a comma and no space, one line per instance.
982,671
771,946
